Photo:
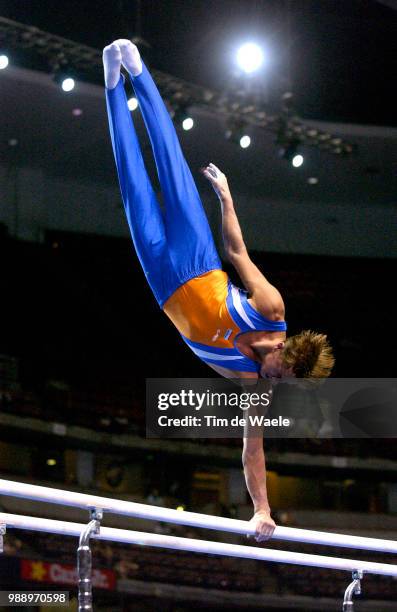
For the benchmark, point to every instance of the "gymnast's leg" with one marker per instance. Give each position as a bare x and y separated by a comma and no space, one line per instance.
190,243
141,206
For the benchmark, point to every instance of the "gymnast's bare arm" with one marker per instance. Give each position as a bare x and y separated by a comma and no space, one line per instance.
263,295
255,477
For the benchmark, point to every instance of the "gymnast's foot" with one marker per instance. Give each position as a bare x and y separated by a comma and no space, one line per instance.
111,64
130,57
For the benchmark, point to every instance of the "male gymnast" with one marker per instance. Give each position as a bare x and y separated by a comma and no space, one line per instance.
238,333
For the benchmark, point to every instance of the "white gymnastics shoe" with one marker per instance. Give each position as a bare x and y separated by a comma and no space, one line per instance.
130,57
111,64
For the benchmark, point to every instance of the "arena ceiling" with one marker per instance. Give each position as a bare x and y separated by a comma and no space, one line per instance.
336,56
37,115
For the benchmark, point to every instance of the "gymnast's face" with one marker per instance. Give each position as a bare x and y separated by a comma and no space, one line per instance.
272,366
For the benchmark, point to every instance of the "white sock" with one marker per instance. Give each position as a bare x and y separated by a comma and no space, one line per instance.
130,57
111,64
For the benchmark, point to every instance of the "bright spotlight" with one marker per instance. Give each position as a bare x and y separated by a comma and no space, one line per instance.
187,123
132,104
3,62
68,84
250,57
245,142
297,161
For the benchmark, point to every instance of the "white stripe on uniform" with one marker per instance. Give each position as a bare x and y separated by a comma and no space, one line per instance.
239,307
217,356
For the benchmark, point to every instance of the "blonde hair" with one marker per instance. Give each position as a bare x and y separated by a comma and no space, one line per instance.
309,355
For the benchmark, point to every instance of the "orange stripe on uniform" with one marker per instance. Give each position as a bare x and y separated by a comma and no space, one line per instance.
198,310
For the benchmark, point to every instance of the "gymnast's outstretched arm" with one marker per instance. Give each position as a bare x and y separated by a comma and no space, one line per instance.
265,296
255,476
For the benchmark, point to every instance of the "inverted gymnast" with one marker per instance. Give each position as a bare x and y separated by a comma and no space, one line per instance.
239,334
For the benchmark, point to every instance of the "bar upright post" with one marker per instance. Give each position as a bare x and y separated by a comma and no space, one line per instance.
84,561
2,534
354,588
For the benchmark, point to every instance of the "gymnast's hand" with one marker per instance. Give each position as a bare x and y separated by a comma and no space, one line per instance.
263,524
218,180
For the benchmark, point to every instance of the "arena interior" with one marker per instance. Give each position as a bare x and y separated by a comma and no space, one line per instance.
81,331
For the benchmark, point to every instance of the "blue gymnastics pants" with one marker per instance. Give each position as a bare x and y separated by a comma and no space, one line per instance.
174,244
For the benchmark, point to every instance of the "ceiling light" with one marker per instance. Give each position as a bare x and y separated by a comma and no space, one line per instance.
68,84
132,103
250,57
245,141
297,160
3,61
187,123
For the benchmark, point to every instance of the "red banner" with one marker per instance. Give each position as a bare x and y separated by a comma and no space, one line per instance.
58,573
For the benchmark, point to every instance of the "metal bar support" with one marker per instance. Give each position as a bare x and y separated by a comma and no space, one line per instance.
354,588
84,560
2,534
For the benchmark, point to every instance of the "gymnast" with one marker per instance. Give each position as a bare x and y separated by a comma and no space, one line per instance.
239,333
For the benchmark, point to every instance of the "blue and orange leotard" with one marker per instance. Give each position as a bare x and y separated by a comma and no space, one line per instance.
210,313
